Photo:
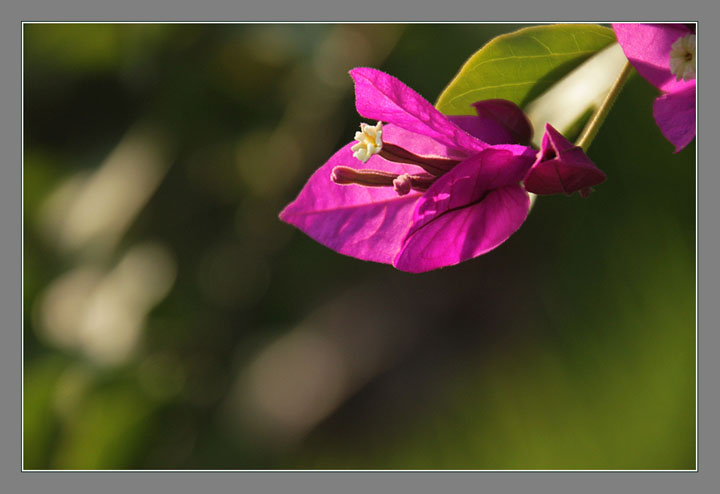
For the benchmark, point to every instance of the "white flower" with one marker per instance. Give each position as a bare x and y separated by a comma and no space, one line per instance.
682,58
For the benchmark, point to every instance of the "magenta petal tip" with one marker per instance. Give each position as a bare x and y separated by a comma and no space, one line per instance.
561,167
509,116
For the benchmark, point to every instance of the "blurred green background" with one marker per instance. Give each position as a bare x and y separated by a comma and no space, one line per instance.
173,322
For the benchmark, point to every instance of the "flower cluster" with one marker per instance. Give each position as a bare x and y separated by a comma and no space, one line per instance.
421,190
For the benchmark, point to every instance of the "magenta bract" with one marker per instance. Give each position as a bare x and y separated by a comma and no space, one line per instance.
469,211
664,54
514,122
459,178
561,167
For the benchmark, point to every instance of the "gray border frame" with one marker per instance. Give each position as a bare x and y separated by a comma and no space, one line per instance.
324,10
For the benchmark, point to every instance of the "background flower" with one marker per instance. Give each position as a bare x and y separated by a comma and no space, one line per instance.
664,54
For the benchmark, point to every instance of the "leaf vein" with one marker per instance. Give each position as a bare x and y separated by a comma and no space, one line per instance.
498,86
543,44
529,57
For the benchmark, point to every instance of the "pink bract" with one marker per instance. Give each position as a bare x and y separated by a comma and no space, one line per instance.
561,167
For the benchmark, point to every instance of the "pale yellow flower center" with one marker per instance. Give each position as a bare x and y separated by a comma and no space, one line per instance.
369,141
682,58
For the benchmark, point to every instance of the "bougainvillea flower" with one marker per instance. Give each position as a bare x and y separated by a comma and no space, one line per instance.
561,167
664,54
420,190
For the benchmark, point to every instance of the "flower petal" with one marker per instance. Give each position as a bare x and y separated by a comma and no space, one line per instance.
418,144
561,167
675,115
508,115
647,47
487,129
498,121
469,211
380,96
368,223
465,233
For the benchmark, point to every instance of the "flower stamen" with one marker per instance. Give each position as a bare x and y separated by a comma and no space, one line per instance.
402,184
343,175
682,58
431,164
406,182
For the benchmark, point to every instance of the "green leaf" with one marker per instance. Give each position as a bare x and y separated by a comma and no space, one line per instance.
522,65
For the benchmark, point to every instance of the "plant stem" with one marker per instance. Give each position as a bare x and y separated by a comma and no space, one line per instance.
602,111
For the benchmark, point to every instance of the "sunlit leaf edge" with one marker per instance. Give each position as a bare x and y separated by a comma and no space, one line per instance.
594,38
